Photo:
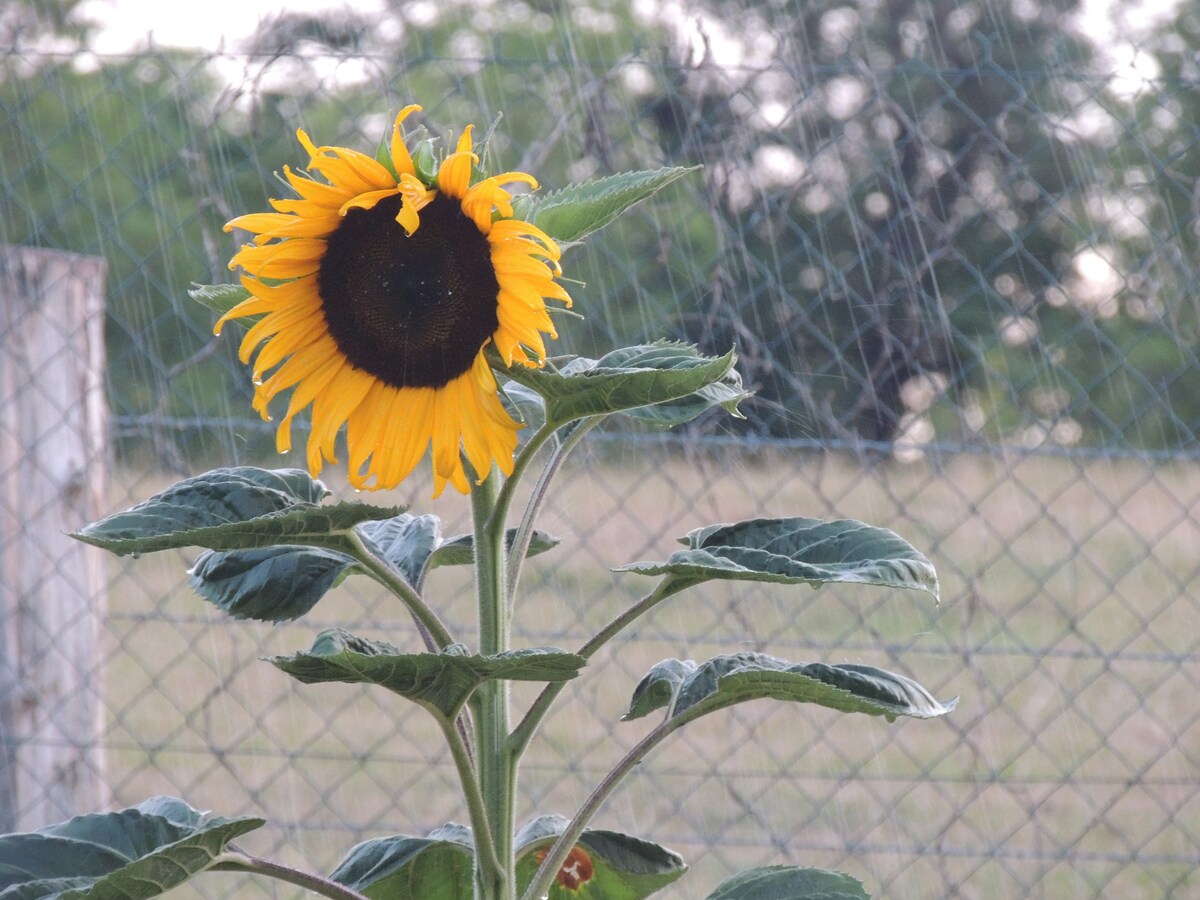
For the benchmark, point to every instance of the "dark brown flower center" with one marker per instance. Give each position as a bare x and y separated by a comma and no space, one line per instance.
415,310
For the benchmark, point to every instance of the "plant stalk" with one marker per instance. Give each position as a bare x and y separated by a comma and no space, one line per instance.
233,861
528,726
497,774
386,575
520,547
485,847
557,855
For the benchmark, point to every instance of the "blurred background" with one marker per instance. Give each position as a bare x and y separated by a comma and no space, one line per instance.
955,247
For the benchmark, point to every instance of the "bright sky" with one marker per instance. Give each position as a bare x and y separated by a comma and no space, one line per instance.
222,24
207,24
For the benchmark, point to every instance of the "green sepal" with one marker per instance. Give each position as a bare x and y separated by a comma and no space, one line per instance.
233,509
623,867
790,883
436,867
383,153
575,211
683,686
622,380
139,852
797,550
440,681
220,298
425,161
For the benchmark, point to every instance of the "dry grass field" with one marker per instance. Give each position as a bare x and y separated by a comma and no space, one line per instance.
1068,626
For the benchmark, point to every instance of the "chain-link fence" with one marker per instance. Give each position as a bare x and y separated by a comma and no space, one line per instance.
955,247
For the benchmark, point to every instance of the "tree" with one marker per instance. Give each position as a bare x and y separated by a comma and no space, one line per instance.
901,193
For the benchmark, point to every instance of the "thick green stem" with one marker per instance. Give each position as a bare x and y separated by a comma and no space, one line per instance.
537,711
497,776
485,847
382,572
232,861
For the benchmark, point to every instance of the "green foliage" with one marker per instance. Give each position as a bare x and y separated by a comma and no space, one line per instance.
571,213
797,550
626,379
272,584
682,686
436,867
789,883
136,853
608,865
235,508
283,582
442,681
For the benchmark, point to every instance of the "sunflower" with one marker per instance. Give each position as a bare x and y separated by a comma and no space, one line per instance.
378,293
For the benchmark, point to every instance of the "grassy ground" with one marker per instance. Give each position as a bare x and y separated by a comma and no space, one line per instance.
1067,626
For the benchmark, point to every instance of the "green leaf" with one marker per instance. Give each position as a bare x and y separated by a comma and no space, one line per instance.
797,550
460,549
139,852
789,883
232,509
436,867
659,686
524,404
271,584
726,393
220,298
735,678
623,379
577,210
281,583
439,681
611,866
406,541
277,584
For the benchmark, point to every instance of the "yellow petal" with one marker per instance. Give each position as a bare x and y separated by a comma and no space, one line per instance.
454,175
330,196
401,158
368,200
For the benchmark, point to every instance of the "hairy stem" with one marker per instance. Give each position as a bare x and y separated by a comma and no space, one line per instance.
233,861
557,855
524,732
520,547
485,847
503,501
497,776
386,575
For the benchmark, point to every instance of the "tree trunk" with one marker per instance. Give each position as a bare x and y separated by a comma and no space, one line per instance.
53,465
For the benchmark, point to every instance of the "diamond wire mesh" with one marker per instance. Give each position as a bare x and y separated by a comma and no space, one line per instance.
966,296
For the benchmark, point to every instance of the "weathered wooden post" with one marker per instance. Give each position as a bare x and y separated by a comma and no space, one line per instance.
54,458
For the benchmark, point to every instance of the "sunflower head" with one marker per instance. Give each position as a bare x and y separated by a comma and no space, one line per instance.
378,293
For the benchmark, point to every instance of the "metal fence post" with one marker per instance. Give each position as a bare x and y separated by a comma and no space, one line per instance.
53,463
